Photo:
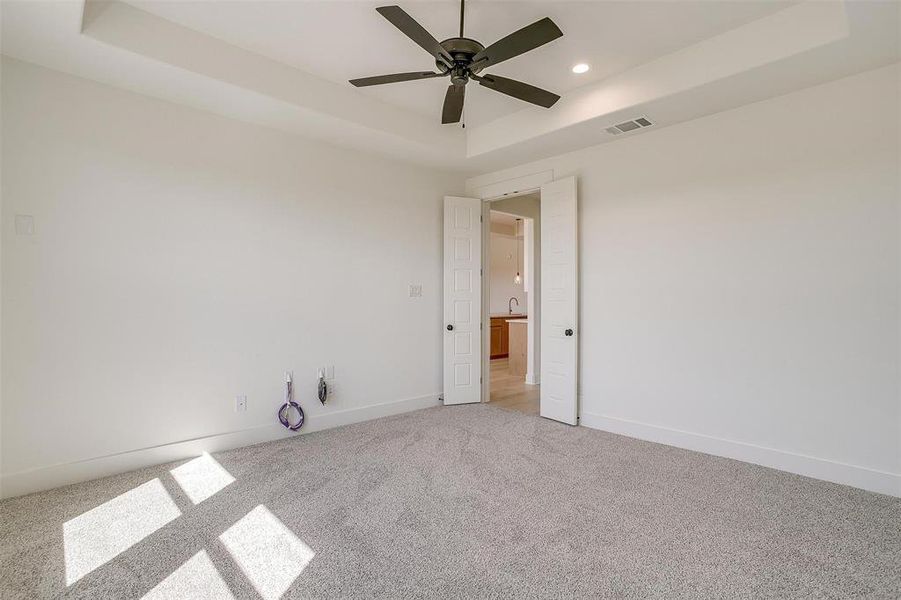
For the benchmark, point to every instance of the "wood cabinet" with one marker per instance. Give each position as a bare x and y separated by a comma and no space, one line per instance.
497,342
500,335
518,348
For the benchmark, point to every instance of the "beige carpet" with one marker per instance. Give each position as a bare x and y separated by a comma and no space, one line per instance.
471,501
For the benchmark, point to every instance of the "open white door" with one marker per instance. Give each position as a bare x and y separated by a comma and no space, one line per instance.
559,301
462,300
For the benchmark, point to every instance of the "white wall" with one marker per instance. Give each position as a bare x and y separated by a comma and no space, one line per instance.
740,281
181,259
503,270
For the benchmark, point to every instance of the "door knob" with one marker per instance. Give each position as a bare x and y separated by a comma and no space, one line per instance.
450,327
568,332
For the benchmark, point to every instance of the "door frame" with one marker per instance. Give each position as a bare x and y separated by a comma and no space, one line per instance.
517,186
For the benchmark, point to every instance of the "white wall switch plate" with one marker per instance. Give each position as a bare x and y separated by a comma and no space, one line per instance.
330,372
415,290
240,403
24,225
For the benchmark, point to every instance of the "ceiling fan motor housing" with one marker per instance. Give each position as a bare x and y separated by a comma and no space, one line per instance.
462,50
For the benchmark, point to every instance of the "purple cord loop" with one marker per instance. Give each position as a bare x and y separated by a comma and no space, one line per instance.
285,410
283,415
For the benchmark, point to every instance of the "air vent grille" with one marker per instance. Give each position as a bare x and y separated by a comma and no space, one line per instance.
629,126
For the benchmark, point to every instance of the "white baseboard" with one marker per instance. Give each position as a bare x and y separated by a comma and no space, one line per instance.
45,478
818,468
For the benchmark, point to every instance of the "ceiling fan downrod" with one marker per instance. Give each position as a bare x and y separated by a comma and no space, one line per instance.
462,4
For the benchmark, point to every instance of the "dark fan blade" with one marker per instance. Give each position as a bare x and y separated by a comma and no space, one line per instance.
395,78
519,42
453,104
415,32
520,90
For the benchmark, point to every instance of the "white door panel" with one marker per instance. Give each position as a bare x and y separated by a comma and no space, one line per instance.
462,300
559,301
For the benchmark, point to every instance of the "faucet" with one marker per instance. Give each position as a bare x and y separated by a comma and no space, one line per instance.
510,304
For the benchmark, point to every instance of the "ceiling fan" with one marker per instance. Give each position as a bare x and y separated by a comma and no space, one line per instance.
462,59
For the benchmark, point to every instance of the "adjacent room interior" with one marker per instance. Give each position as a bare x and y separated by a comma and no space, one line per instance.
324,299
513,303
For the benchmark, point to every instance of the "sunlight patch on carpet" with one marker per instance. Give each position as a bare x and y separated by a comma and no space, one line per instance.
99,535
196,578
201,478
268,553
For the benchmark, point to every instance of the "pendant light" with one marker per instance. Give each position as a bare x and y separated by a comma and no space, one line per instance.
517,279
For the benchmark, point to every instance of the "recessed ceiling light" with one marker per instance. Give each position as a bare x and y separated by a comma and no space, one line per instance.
580,68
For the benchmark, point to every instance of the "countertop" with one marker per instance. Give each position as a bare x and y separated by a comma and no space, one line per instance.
526,320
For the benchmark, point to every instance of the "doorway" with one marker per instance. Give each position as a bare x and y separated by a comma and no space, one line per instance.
513,309
553,339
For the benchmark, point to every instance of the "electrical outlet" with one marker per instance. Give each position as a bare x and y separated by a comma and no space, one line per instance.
415,290
240,403
24,225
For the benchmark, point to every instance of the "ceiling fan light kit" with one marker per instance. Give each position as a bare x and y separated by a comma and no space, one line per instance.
462,59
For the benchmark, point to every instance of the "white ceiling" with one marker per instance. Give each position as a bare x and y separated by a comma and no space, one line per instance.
341,40
285,64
